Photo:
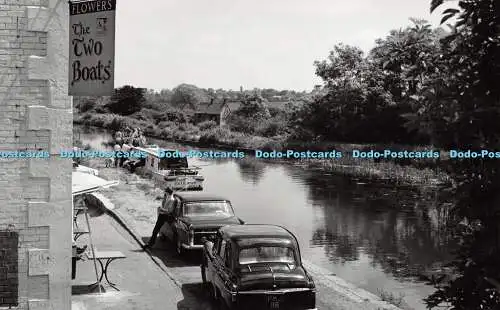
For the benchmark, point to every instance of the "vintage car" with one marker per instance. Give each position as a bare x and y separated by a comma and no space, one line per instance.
257,267
194,215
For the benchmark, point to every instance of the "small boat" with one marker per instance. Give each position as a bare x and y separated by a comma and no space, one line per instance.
79,168
173,172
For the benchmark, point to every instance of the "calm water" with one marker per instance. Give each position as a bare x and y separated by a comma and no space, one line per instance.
372,235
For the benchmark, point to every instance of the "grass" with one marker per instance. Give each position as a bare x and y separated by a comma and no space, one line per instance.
419,172
391,298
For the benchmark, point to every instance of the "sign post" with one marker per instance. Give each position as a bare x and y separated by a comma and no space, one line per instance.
91,48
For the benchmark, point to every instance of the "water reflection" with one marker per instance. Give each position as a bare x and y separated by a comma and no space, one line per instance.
388,224
216,161
251,170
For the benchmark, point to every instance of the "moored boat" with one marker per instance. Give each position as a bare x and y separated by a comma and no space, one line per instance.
175,173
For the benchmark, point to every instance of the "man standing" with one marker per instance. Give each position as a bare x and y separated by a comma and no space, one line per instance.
117,149
166,207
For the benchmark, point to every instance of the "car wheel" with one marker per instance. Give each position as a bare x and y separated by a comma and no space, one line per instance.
204,275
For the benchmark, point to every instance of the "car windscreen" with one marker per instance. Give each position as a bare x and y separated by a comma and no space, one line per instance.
219,209
267,254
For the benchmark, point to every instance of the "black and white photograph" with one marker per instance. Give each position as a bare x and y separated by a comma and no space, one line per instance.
249,155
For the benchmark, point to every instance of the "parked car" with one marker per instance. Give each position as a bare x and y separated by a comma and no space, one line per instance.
257,267
194,215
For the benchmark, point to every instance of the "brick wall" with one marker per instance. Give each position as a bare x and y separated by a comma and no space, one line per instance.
8,269
35,113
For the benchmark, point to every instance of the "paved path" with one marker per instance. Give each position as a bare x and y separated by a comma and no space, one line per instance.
143,285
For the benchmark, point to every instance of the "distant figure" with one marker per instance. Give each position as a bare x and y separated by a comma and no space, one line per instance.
119,141
166,207
117,149
135,134
119,138
125,148
128,131
142,141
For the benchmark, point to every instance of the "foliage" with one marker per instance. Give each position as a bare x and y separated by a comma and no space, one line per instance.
188,96
207,125
467,96
127,100
85,105
368,99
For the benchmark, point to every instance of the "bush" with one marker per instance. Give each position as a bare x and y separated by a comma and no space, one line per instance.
166,133
207,125
274,145
85,106
117,123
100,109
215,135
188,127
242,124
271,128
152,130
141,116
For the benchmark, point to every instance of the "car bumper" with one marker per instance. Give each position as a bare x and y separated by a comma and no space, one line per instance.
192,247
294,298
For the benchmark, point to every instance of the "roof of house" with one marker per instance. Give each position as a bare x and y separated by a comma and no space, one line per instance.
234,105
209,108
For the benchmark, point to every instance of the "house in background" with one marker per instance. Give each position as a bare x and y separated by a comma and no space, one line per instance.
217,111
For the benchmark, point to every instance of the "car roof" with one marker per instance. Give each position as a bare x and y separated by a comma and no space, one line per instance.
256,231
199,196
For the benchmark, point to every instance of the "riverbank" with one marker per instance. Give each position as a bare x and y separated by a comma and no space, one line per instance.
135,201
418,173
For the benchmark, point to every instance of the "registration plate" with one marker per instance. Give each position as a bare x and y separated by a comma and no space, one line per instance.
274,302
184,182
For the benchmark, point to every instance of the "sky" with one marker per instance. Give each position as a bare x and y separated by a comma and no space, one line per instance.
253,43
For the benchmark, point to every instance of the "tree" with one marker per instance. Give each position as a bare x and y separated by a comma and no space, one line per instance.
406,63
189,96
472,71
252,113
127,100
354,104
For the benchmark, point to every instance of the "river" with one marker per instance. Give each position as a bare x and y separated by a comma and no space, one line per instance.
373,235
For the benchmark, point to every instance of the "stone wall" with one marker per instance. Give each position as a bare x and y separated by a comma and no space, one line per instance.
35,114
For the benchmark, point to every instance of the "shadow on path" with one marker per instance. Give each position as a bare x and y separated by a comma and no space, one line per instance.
201,300
165,251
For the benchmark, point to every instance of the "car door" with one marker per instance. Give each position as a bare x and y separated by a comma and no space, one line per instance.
227,272
211,270
218,266
223,266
